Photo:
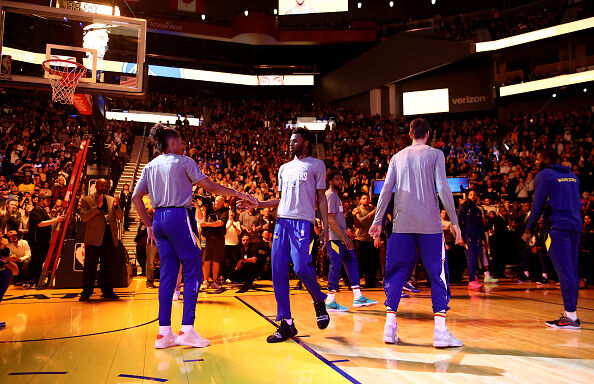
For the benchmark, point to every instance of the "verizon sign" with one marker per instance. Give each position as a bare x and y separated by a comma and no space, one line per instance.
469,100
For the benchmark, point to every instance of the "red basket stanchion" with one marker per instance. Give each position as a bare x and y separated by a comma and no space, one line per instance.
63,77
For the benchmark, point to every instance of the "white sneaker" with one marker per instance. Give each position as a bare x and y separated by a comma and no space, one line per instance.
390,334
204,285
165,341
191,339
176,295
444,339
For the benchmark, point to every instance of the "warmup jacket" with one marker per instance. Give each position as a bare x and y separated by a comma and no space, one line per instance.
471,222
557,195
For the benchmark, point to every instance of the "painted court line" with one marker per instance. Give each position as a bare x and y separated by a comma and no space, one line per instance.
143,377
190,361
306,347
36,373
77,336
339,361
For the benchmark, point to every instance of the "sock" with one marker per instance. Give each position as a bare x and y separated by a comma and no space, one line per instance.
164,330
487,274
330,298
545,275
526,273
571,315
356,292
289,321
391,318
440,321
187,328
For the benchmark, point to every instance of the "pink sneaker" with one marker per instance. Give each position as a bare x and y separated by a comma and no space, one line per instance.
475,285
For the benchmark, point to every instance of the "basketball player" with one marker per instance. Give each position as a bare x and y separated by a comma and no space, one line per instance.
302,183
168,180
341,249
418,174
558,188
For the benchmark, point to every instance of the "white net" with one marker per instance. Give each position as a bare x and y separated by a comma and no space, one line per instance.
63,77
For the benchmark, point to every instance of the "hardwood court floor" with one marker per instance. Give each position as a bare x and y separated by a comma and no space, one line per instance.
53,338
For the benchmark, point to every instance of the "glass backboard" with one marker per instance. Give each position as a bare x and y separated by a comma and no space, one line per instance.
111,47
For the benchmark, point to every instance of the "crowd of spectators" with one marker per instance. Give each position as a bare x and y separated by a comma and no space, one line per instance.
243,143
39,142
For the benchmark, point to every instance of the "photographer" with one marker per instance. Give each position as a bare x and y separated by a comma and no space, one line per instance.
214,230
11,220
20,253
7,270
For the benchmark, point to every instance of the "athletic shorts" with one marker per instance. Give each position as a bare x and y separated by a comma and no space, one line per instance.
214,249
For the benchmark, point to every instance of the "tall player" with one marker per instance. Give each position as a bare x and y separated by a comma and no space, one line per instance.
168,180
418,173
341,249
557,188
302,183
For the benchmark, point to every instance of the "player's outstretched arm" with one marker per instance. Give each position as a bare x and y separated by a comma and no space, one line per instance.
218,189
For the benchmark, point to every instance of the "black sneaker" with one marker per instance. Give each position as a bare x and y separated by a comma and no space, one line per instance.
524,279
284,332
110,296
543,281
322,316
150,284
299,286
564,323
84,296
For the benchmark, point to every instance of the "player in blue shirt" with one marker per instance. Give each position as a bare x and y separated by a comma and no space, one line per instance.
302,183
168,179
557,196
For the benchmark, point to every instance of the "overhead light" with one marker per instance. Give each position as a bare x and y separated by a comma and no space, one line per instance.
203,16
433,2
554,95
391,4
585,89
275,11
246,12
359,5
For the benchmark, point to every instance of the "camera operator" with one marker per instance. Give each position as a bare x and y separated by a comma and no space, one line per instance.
11,220
213,230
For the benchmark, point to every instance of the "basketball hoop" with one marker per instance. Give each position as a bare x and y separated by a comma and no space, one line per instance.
63,76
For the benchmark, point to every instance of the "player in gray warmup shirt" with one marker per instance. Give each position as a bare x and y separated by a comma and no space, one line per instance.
302,183
418,174
340,249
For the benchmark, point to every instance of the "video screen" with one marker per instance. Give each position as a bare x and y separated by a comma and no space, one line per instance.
302,7
422,102
454,183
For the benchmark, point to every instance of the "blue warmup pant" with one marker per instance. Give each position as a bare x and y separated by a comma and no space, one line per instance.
173,229
401,256
339,254
472,252
563,247
292,241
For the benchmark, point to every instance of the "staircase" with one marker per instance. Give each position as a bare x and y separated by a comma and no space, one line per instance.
126,178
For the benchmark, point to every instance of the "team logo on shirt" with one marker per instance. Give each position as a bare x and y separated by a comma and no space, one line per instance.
296,178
